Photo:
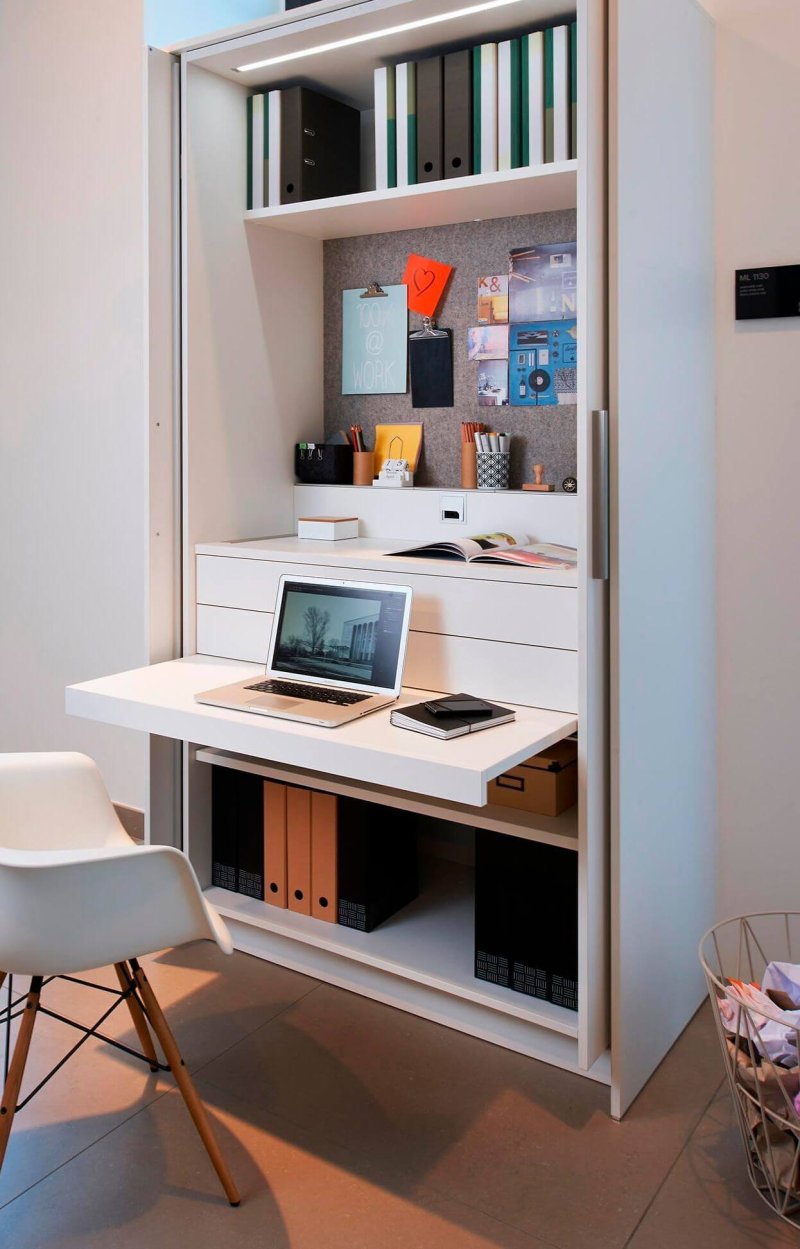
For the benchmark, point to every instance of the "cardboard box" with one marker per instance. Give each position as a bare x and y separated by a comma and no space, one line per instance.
327,528
546,784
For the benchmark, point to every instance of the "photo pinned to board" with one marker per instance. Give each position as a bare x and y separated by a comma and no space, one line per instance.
487,342
493,299
544,363
492,383
543,282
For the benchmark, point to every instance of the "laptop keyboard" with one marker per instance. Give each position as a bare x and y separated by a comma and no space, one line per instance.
316,693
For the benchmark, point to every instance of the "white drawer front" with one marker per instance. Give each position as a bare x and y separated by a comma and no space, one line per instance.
534,615
532,675
232,633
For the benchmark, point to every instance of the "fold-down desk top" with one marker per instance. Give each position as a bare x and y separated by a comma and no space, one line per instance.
160,699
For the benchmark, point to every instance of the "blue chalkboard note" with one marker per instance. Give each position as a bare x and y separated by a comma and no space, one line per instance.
375,342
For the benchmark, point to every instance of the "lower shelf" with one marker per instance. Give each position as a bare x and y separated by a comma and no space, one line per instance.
559,830
429,942
474,1018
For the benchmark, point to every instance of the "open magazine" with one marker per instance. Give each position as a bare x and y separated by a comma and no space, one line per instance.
497,548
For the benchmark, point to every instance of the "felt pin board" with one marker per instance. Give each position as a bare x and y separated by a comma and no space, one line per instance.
544,435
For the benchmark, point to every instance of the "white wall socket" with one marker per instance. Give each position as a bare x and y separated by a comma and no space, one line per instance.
453,509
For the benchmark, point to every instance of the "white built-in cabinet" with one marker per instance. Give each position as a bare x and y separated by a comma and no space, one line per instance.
247,378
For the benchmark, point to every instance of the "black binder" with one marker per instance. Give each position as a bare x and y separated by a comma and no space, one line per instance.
430,119
545,924
237,832
492,911
457,160
250,835
526,917
223,829
320,146
376,862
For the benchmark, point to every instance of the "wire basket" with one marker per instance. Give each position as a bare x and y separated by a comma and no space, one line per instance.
760,1051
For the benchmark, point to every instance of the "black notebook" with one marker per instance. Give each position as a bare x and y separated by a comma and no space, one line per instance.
420,720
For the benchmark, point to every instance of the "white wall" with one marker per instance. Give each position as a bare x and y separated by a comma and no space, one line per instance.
758,450
72,370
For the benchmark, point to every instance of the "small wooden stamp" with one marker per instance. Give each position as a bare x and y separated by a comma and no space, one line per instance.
537,483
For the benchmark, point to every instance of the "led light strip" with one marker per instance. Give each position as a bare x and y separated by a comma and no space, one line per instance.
378,34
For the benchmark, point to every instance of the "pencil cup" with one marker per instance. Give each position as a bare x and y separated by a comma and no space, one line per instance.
494,469
469,466
363,468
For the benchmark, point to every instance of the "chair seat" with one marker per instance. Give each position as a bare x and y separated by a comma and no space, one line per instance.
76,892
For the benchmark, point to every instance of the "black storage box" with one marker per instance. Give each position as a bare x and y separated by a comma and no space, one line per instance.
324,464
377,862
526,917
237,831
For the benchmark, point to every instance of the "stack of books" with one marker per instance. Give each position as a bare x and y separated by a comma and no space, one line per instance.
419,718
493,107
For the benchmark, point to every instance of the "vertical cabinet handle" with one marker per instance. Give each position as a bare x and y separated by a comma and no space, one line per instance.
599,569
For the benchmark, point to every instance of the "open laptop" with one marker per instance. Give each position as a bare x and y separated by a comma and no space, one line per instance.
336,653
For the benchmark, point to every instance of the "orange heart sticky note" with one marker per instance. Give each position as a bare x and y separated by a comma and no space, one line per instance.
426,280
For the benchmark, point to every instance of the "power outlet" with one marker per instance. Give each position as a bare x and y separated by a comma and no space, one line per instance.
453,509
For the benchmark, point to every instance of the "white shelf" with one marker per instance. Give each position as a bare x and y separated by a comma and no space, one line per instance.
161,699
538,189
430,942
375,554
559,830
474,1018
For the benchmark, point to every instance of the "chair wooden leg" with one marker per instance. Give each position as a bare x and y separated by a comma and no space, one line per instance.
184,1081
137,1015
8,1106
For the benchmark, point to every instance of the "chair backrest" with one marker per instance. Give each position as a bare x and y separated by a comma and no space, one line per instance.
55,801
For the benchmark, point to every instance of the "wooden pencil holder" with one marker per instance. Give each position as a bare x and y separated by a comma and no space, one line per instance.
469,466
363,468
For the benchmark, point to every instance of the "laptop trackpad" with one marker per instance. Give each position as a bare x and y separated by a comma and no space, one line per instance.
273,702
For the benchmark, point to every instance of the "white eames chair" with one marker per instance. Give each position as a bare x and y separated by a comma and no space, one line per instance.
76,893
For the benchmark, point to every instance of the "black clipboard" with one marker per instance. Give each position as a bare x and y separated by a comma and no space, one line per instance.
430,366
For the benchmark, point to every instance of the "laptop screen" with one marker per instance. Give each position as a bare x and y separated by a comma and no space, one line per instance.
342,634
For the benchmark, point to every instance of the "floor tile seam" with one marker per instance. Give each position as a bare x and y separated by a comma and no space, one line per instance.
195,1071
517,1227
90,1145
534,1237
246,1036
279,1118
415,1184
673,1164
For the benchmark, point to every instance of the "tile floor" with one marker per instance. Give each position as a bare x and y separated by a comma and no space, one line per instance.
353,1126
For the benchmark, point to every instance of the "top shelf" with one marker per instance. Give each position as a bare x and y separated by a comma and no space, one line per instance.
479,197
338,48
